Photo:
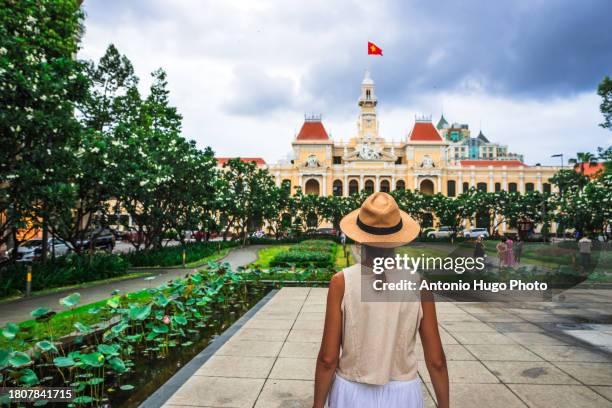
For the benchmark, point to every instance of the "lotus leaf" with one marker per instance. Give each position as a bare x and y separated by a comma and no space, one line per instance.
71,300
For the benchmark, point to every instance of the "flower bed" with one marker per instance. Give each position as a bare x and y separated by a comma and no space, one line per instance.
104,364
315,253
173,256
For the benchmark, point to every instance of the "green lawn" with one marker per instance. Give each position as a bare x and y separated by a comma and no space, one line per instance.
213,257
341,259
265,255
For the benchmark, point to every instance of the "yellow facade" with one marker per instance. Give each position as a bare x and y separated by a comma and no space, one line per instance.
423,161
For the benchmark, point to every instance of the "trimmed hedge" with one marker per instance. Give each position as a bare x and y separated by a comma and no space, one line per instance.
62,271
316,253
173,256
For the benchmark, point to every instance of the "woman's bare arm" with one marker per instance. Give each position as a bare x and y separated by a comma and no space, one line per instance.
329,353
432,348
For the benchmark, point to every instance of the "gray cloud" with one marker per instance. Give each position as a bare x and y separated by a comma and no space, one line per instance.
243,73
255,92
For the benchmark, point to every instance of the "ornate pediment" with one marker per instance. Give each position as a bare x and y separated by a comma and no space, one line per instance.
367,150
312,162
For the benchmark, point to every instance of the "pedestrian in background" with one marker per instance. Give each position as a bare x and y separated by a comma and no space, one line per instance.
584,248
518,249
502,248
479,249
510,252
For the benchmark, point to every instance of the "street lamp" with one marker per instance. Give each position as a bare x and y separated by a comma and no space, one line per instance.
561,156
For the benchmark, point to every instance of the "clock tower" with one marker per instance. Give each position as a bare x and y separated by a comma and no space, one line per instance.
367,124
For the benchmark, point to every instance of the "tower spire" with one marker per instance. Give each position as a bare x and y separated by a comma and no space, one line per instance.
367,123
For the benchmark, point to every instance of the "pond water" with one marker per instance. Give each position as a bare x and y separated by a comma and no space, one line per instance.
150,373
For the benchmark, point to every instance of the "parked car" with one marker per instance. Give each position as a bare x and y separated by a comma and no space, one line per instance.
326,231
31,250
103,238
442,232
475,233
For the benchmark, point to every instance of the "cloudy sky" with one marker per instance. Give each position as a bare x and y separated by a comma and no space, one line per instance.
244,72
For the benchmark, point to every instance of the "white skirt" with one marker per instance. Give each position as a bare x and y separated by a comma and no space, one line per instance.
395,394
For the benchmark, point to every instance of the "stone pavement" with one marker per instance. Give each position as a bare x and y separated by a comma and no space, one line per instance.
19,310
497,357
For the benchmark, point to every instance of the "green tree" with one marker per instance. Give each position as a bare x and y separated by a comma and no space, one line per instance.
152,147
41,83
582,160
96,166
244,196
605,91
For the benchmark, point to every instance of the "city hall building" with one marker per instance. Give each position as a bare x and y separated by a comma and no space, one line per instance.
444,158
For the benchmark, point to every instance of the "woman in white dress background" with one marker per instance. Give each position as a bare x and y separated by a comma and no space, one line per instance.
367,357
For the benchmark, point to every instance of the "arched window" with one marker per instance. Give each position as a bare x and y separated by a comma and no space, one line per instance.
547,188
451,186
368,94
497,187
353,187
427,187
481,187
369,186
385,186
466,187
400,185
337,188
312,187
529,187
512,187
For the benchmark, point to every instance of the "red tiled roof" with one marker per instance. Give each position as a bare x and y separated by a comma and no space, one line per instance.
424,132
591,170
510,163
312,130
258,160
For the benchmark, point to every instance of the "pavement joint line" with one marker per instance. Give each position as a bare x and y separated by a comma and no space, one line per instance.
559,335
282,346
164,393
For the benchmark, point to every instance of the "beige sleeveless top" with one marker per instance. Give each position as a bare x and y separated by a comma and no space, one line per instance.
378,337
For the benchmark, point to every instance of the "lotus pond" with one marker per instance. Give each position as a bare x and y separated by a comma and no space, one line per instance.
135,346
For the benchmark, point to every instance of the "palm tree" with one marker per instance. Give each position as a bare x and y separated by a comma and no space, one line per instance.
582,159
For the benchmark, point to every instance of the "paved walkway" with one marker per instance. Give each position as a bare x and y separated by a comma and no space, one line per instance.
497,357
20,309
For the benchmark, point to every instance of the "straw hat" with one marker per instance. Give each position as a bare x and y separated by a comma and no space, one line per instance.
380,222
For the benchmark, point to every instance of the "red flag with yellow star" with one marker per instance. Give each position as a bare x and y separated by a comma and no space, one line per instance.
374,49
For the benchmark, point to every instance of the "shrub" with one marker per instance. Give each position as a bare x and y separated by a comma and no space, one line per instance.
315,252
66,270
173,256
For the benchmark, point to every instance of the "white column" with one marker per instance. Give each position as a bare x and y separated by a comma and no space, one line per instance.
505,184
377,186
540,182
491,185
278,180
345,186
392,182
522,183
472,179
324,192
439,182
460,181
416,185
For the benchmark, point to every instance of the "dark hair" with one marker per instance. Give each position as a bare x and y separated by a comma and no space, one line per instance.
504,239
